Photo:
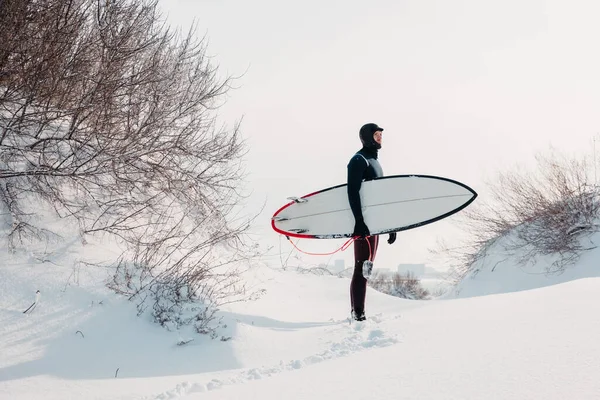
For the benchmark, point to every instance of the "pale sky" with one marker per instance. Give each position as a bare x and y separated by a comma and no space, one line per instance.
464,89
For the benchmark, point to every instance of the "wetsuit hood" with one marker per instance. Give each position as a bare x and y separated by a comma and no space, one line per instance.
366,137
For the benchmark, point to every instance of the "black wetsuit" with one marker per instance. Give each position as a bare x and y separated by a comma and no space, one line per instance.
363,166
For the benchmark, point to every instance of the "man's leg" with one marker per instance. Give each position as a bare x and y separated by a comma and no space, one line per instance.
364,249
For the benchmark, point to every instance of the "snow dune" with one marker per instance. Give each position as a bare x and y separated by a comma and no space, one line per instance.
295,343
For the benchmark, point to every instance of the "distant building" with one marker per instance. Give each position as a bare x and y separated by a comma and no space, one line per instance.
415,269
431,271
338,266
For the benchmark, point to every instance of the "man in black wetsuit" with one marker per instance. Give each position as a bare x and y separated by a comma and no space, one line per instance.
363,166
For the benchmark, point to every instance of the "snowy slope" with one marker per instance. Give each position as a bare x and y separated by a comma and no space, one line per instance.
500,272
294,342
43,353
531,345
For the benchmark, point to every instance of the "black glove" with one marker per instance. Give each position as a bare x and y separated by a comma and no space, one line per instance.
360,229
392,238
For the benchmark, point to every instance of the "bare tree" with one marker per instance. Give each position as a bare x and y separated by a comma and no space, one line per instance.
108,114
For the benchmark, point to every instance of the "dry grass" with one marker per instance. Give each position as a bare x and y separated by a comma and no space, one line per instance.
400,285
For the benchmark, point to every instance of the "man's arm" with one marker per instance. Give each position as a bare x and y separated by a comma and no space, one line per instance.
356,169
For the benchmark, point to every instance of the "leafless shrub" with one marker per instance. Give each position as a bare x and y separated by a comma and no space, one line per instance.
315,270
107,114
532,214
407,285
187,288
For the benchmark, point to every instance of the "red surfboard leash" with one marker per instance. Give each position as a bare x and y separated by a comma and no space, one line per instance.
343,248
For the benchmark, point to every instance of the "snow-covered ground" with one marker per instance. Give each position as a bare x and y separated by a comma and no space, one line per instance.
83,342
502,271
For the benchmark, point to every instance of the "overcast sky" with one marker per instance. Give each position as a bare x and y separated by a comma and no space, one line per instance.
464,89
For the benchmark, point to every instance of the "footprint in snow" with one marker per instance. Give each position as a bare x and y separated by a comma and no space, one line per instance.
362,335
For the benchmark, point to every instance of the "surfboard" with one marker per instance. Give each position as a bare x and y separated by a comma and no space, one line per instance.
389,204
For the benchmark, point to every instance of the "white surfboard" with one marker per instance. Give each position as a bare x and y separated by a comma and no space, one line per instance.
389,204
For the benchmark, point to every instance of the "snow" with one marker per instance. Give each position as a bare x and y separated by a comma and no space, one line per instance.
502,270
295,342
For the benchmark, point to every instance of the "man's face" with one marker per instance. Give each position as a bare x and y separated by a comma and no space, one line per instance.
377,136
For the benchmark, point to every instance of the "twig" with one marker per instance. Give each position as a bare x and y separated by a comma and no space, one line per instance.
32,306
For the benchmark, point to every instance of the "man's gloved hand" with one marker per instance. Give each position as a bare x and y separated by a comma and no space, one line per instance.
392,238
360,229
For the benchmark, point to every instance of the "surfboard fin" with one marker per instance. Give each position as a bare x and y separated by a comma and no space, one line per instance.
297,199
279,219
298,230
